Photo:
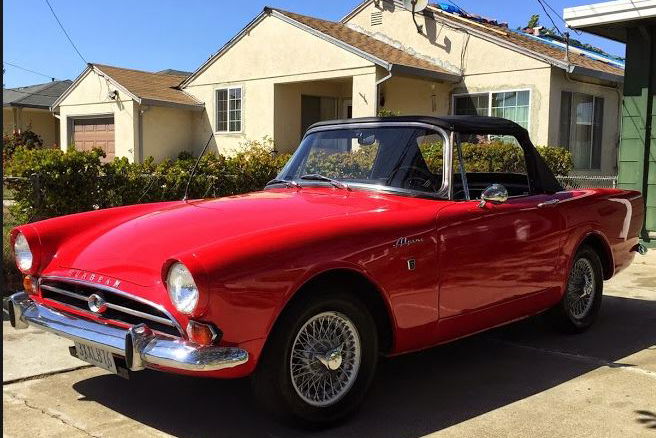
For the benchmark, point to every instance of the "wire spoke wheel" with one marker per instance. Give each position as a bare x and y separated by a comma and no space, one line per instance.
325,358
581,288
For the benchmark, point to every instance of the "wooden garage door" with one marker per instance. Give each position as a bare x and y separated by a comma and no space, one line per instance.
94,133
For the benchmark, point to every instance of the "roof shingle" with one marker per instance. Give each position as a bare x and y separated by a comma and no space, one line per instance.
35,96
151,86
366,43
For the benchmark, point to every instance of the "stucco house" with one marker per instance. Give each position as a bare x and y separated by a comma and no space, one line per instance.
284,71
29,107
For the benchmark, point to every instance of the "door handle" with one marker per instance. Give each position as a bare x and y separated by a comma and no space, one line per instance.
548,203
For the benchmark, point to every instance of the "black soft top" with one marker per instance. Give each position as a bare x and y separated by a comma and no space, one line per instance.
540,176
462,124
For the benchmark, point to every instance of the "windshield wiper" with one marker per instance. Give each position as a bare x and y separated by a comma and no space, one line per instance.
318,177
286,182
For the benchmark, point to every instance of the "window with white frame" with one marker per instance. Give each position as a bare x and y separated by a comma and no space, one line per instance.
228,109
581,128
511,105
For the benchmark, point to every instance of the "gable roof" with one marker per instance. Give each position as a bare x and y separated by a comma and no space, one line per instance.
529,45
361,44
35,96
160,89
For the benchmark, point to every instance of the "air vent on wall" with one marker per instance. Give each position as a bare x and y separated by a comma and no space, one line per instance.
376,18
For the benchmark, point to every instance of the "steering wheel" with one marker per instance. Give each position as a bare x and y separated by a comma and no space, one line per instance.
425,181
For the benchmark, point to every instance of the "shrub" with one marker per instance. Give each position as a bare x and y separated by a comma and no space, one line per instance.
56,183
26,139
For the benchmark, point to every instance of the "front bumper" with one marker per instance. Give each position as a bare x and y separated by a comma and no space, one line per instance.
140,346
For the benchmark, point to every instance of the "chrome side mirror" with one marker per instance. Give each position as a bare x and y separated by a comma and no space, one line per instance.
496,194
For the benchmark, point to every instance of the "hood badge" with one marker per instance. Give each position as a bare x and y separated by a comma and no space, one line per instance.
96,303
93,278
404,241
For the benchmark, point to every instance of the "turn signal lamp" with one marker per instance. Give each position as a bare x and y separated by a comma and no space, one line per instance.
28,285
202,334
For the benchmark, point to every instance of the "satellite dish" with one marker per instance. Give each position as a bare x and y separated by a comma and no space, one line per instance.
415,5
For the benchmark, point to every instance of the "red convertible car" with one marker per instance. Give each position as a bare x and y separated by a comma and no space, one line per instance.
380,236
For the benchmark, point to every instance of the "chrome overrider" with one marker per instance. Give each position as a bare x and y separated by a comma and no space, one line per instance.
140,346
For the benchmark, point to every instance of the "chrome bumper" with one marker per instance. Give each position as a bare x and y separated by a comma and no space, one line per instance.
140,346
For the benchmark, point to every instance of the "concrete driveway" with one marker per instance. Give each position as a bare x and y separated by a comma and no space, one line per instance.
521,380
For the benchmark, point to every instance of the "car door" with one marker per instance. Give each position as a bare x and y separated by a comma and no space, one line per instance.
497,253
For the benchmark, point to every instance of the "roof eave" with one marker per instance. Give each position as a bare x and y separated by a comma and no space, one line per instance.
597,74
167,103
425,73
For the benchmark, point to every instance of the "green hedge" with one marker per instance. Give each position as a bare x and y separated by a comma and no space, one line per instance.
55,183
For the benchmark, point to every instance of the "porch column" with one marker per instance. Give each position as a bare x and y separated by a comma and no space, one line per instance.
364,95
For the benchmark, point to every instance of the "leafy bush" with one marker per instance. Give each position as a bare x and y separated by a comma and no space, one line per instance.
498,156
56,183
26,139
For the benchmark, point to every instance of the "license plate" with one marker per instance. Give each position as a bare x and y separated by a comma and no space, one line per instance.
96,356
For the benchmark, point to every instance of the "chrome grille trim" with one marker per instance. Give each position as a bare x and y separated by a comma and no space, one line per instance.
169,321
110,305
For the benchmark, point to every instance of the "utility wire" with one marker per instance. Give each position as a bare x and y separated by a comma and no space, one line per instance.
65,33
548,15
28,70
558,15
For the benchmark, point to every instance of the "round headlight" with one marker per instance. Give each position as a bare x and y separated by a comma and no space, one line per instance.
23,253
182,288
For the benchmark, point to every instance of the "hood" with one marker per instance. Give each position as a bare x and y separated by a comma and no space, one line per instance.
135,249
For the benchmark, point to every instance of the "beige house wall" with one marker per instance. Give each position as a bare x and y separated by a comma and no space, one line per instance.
410,96
90,98
166,132
275,52
8,123
40,121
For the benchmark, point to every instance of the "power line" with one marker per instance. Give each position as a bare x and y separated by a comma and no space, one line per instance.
548,15
65,33
558,15
28,70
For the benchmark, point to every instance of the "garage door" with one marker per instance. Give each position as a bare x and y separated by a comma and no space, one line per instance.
94,133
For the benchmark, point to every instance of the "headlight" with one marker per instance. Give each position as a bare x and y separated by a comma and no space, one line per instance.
23,253
182,288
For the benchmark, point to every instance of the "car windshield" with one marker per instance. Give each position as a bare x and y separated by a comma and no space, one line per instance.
396,158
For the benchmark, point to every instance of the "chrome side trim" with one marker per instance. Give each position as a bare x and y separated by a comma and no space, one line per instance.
144,349
159,307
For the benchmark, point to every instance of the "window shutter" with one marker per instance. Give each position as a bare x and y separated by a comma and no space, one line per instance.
565,119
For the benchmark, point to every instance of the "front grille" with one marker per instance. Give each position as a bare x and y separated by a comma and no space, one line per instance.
120,307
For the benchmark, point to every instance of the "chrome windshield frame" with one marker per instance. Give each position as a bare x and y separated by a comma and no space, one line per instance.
443,193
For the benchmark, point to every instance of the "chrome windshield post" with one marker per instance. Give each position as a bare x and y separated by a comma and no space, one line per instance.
461,164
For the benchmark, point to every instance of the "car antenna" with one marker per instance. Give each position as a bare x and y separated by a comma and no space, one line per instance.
193,170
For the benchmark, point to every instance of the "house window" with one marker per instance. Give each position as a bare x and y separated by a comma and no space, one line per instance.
511,105
471,105
228,109
580,128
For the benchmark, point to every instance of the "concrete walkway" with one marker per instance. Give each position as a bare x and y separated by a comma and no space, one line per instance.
523,380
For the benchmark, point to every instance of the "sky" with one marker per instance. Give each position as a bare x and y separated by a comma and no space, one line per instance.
155,35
